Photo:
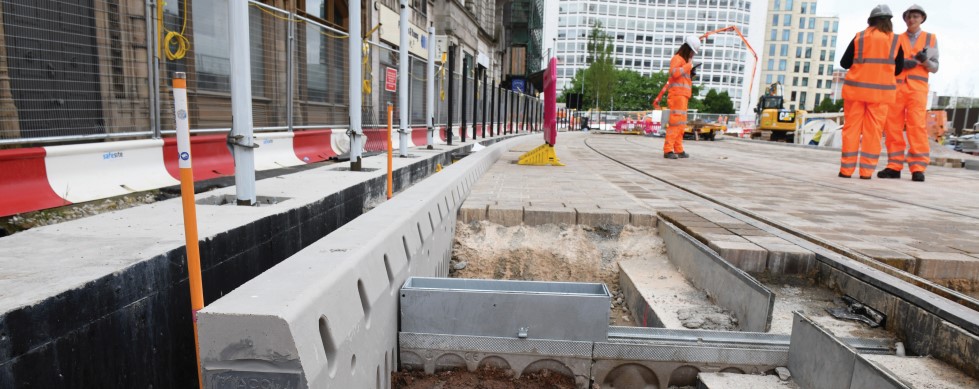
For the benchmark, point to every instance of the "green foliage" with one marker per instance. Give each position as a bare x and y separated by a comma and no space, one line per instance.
828,105
718,102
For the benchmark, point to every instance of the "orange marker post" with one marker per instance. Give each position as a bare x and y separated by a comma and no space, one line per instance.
190,208
390,154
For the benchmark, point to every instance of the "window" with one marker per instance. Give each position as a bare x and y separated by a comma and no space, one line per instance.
819,84
802,99
798,52
799,40
804,7
821,70
818,95
781,79
771,64
808,52
793,97
805,67
809,37
829,84
771,50
822,55
768,79
785,50
786,34
775,19
788,5
805,81
812,23
825,41
787,21
213,59
812,8
795,81
836,25
802,22
781,64
796,67
833,41
778,4
774,35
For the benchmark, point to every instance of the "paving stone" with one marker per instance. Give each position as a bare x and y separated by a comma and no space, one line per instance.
641,217
724,238
947,266
759,240
698,224
471,211
536,215
745,256
750,232
899,260
505,215
789,259
597,217
701,232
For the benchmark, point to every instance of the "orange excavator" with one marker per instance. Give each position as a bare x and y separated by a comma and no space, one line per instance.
751,83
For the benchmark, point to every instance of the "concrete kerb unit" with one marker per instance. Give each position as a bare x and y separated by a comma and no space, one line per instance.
733,289
819,360
327,316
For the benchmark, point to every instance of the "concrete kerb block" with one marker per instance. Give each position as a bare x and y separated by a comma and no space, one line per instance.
972,164
947,266
595,217
508,215
789,259
536,215
640,217
745,256
474,211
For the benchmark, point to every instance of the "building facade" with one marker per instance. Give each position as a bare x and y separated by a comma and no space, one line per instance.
799,52
646,34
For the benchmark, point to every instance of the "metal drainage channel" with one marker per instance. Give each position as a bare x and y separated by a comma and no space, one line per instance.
527,326
653,356
781,230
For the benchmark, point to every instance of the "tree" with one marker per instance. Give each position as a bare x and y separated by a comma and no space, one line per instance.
828,105
635,92
718,102
601,73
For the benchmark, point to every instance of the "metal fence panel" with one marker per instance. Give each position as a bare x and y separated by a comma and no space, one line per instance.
73,70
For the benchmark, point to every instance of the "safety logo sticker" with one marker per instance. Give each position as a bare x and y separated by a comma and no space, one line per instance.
184,155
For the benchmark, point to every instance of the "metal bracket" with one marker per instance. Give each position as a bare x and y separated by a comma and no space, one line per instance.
522,332
235,140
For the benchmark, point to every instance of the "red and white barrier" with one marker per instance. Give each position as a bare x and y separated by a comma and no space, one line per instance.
93,171
24,185
275,150
212,158
315,145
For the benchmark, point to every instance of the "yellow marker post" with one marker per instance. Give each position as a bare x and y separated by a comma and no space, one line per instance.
190,208
390,154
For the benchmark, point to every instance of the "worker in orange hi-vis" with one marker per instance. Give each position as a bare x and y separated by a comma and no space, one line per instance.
908,111
680,88
874,59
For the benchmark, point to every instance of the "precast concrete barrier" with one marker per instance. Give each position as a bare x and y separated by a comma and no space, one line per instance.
86,172
731,288
275,150
327,316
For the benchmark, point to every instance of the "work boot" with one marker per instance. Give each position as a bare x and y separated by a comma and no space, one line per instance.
864,177
843,175
918,176
889,173
683,155
670,155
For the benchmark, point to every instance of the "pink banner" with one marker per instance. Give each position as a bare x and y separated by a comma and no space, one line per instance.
550,102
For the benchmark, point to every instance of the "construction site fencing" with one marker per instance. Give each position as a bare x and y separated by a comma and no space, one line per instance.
73,71
101,69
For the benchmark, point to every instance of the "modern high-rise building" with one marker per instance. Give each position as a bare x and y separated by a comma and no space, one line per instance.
799,52
646,34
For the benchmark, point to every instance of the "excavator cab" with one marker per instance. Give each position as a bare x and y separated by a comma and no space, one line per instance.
773,117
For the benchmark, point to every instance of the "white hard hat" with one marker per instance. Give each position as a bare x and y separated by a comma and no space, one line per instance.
693,42
881,10
916,8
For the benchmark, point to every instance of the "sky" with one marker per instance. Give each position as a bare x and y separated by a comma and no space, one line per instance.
958,73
